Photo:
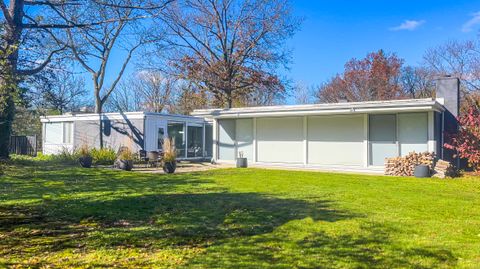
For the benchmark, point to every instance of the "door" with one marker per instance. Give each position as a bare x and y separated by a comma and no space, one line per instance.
383,138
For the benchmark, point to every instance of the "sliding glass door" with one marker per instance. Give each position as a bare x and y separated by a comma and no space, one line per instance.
176,131
195,141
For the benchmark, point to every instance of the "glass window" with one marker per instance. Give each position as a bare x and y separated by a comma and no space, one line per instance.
208,140
195,141
53,133
176,131
160,136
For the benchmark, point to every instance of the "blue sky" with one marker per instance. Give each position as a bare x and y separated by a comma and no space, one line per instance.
335,31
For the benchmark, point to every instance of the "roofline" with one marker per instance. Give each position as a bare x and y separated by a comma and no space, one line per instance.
114,115
391,106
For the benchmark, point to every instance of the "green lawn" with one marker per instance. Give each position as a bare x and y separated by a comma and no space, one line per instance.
72,217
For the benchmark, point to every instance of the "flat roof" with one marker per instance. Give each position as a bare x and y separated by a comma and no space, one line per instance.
115,116
392,106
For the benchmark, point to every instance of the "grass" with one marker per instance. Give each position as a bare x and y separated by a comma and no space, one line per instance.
63,216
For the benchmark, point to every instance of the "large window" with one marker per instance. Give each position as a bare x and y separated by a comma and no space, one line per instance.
176,131
160,137
59,133
195,141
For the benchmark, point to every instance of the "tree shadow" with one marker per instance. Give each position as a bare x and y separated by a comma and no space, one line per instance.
371,247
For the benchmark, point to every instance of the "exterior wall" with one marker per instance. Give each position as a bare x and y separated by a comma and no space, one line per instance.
280,140
336,140
116,133
226,140
326,141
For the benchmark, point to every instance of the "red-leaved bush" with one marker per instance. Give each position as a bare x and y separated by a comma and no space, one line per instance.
467,141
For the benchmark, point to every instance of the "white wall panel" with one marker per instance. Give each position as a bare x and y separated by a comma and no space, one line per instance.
244,137
336,140
226,139
413,132
280,140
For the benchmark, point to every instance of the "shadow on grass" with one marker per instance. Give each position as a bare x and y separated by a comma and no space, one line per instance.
371,247
87,210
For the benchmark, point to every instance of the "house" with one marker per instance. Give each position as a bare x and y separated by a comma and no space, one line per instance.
355,136
136,130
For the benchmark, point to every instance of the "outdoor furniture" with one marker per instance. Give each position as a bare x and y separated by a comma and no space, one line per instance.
153,158
142,154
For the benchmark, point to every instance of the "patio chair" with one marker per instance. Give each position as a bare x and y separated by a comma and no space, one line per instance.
153,157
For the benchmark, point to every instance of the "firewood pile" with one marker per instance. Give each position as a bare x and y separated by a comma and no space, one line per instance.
444,169
405,166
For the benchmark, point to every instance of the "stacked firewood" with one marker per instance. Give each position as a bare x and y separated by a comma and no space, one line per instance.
405,166
444,169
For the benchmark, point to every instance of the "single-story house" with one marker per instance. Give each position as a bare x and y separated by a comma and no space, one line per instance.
350,136
136,130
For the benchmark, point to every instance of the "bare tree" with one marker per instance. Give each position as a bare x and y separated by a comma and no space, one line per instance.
304,94
92,47
230,47
145,90
28,35
417,82
65,92
457,58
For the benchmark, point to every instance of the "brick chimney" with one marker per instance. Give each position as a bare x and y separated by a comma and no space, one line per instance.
447,92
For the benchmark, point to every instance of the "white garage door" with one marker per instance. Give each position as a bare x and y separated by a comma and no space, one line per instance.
336,140
280,140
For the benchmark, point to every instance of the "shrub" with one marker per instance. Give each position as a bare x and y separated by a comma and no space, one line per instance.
126,154
467,141
169,151
84,151
104,156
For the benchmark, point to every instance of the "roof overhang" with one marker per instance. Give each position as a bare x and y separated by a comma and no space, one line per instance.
394,106
116,116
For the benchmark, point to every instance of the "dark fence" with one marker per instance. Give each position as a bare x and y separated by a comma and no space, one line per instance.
23,145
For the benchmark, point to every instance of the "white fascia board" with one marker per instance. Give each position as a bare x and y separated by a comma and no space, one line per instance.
326,112
89,117
325,109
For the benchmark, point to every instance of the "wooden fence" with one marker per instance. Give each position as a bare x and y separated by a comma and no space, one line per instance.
23,145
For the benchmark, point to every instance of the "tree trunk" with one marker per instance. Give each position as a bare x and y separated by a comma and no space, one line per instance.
7,113
98,110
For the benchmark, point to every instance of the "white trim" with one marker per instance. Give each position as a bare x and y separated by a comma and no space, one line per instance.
366,154
305,140
334,108
120,116
431,132
215,140
255,155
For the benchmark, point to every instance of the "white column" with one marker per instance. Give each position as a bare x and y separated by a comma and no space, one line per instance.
305,140
255,140
365,141
215,140
432,147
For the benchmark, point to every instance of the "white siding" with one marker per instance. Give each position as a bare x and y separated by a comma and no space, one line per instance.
280,140
244,137
336,140
413,132
226,139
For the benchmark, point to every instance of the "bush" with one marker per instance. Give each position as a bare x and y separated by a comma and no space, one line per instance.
169,151
105,156
126,155
467,141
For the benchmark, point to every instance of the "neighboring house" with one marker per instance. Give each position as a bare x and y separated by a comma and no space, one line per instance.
340,136
136,130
